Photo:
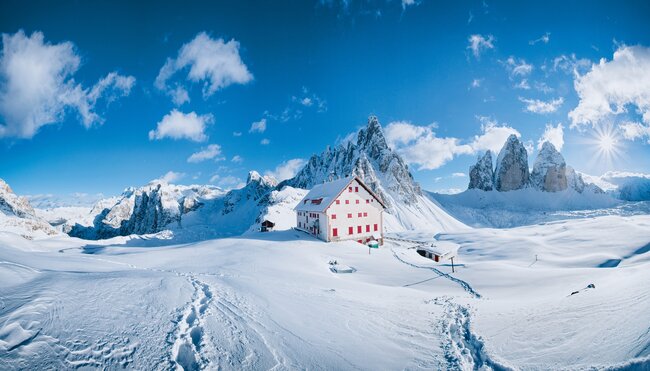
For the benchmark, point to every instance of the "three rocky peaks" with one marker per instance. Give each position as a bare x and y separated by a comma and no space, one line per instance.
550,172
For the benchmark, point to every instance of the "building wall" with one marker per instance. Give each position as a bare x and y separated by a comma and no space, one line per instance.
305,220
372,209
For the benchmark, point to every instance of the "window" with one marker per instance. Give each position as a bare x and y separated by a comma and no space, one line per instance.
350,189
358,229
335,232
367,227
347,202
367,201
365,214
360,215
349,215
356,189
375,227
338,202
333,216
350,230
357,202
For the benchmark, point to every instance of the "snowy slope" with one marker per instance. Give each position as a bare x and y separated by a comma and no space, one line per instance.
270,301
528,206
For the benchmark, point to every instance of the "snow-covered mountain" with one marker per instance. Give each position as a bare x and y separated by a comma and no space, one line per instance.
385,172
18,216
142,210
198,212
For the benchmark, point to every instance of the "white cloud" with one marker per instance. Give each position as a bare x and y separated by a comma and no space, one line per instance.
258,126
419,145
542,107
634,130
542,39
214,62
236,133
458,175
480,43
265,142
172,177
610,88
476,83
179,95
571,64
493,135
287,169
523,84
178,125
553,135
237,159
518,67
208,153
227,182
38,85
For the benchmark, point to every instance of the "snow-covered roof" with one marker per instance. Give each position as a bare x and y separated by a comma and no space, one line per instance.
323,195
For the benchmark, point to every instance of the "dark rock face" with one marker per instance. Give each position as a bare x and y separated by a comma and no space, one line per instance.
481,175
512,166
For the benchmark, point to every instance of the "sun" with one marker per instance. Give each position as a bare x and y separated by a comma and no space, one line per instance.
607,143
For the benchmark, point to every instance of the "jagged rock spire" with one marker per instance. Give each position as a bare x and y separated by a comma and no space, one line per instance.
481,175
549,170
512,166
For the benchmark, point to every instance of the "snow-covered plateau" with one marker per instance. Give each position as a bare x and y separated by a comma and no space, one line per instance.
549,272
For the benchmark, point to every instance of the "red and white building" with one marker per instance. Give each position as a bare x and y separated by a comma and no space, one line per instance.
345,209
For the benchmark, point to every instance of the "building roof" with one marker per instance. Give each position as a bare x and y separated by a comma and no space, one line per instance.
323,195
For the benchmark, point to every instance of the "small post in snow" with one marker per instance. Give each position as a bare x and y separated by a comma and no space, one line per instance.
452,265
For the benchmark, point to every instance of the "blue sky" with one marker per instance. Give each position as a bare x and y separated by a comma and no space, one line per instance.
132,91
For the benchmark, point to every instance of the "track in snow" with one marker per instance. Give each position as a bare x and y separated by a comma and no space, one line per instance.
188,334
466,286
463,349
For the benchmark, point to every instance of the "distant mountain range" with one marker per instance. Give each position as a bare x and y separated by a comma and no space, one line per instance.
203,211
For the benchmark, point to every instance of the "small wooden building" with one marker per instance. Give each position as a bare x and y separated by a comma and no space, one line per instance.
267,226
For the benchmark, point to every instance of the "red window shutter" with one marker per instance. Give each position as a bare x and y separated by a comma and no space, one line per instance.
365,214
356,189
359,215
335,232
350,230
367,227
368,201
350,189
375,227
357,202
358,229
347,202
338,202
333,216
349,216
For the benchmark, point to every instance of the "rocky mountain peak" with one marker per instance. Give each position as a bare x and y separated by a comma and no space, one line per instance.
481,175
255,178
370,158
11,204
512,166
549,170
